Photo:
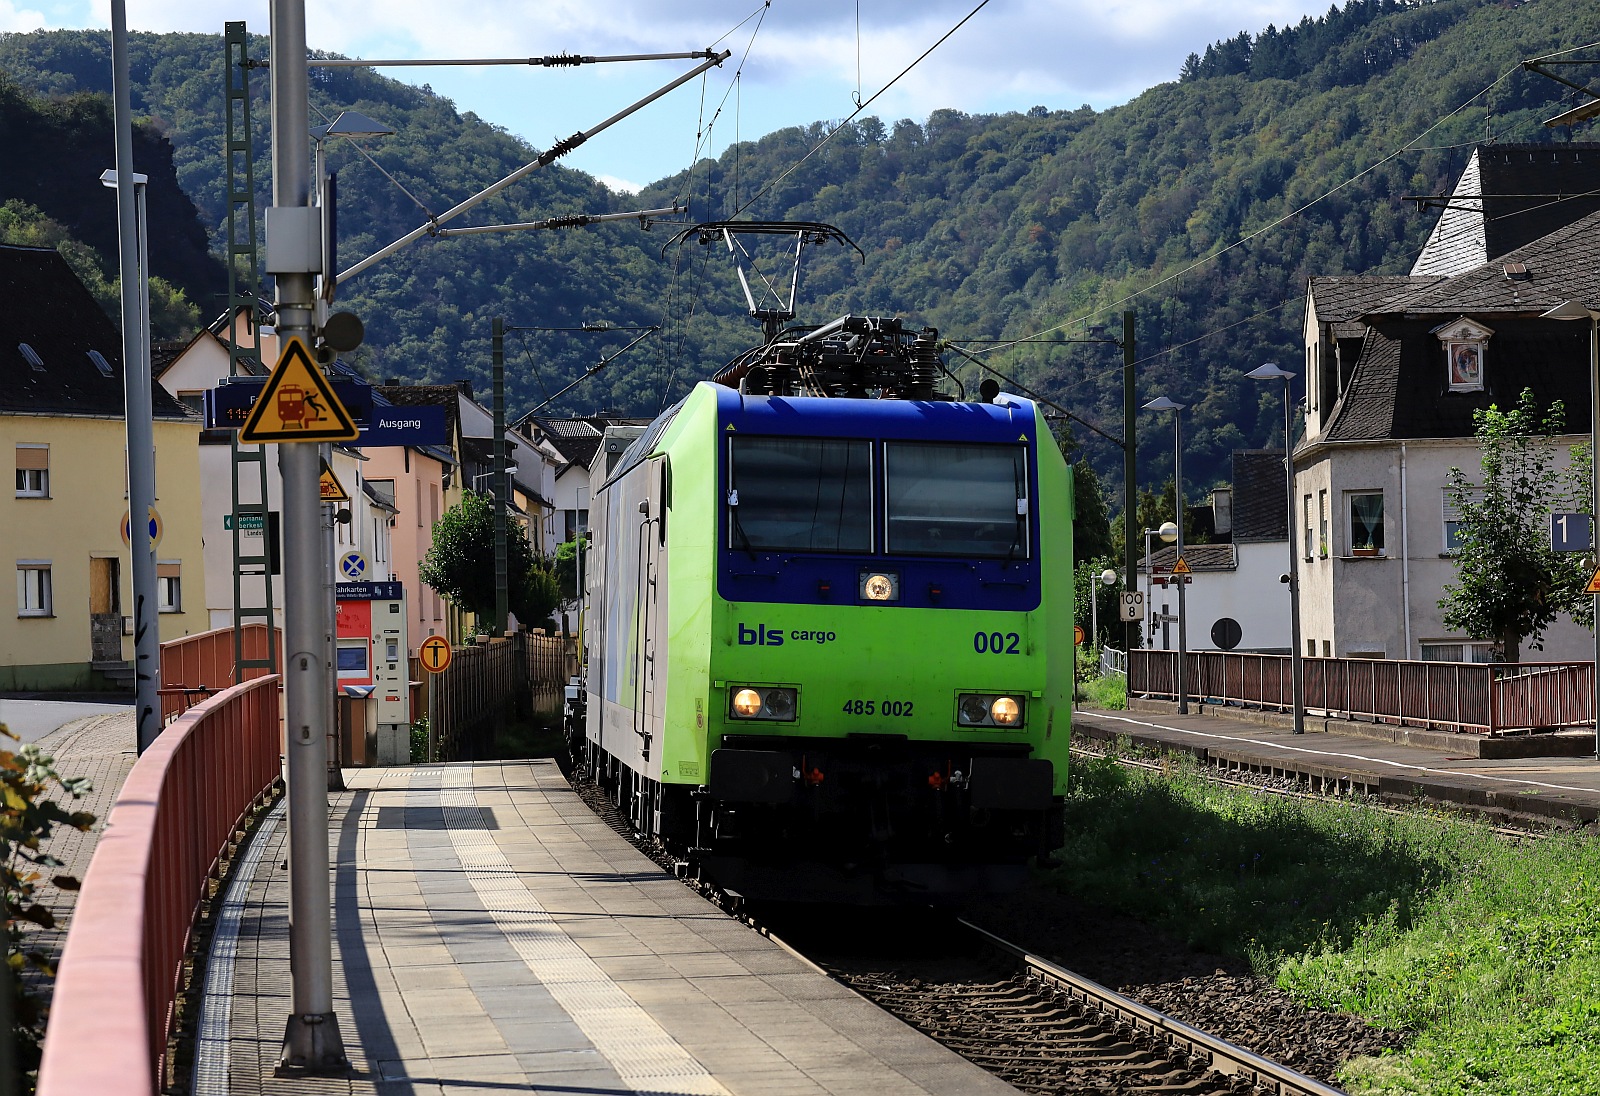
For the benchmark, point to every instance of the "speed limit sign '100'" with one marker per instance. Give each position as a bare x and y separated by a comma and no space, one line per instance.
434,654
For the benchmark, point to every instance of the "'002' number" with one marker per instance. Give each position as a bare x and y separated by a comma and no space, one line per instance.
996,643
873,707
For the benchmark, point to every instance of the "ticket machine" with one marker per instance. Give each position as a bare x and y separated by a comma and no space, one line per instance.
373,669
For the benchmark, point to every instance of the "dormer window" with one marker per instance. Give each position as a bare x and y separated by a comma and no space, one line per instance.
1465,344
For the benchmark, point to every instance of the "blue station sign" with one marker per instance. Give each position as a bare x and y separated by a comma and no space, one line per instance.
424,425
367,591
228,405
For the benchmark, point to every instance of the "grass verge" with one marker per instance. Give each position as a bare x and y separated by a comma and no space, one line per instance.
1487,952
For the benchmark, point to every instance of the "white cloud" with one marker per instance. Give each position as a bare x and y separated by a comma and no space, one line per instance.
802,66
13,18
621,186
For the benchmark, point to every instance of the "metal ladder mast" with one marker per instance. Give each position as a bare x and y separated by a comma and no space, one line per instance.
249,463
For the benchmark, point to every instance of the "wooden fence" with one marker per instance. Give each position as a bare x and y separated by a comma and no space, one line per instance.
488,684
1465,697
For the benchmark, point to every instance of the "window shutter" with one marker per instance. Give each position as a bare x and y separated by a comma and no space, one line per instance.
33,457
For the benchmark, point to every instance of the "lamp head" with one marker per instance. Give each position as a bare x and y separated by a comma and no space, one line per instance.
1570,310
351,123
1168,531
510,469
1271,371
1162,403
1108,576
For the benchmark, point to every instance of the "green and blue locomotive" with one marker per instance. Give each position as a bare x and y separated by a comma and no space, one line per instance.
830,627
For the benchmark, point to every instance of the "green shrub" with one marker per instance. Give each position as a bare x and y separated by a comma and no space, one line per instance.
27,818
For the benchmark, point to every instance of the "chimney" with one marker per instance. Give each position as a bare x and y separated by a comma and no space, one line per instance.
465,386
392,382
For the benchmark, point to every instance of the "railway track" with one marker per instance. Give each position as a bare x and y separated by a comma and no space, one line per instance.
1031,1022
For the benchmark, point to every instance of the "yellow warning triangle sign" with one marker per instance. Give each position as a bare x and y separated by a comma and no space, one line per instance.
1181,568
332,489
1594,583
297,404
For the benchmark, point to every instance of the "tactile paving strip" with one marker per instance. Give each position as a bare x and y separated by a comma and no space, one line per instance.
213,1064
643,1054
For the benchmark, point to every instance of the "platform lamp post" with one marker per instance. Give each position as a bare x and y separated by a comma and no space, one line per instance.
1108,577
1162,403
1272,372
1577,310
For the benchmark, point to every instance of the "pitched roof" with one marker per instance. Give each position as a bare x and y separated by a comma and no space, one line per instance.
1260,509
63,326
1342,298
1508,196
1561,266
1199,557
577,439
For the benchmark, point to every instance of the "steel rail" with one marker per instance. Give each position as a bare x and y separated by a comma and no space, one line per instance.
1216,1054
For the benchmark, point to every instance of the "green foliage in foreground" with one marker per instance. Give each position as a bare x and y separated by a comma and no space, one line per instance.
28,817
1488,952
1108,693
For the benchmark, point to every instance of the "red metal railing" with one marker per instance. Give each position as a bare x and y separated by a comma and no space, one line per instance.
119,971
198,666
1467,697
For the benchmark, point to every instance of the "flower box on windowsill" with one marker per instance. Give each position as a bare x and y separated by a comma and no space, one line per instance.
1366,551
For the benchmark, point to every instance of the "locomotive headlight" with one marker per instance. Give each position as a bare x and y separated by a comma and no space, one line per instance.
974,710
989,710
747,703
1005,711
879,586
764,702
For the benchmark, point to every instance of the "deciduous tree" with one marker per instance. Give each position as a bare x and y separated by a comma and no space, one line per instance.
1511,585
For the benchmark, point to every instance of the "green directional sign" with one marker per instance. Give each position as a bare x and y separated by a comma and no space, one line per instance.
248,523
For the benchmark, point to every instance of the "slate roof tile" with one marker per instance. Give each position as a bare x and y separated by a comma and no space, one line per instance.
52,312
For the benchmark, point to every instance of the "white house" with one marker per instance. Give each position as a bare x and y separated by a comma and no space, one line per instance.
1397,367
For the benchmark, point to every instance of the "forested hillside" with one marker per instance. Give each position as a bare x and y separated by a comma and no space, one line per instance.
984,226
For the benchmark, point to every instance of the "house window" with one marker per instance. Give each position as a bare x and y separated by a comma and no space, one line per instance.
194,401
33,471
1451,514
1366,523
169,586
1307,540
1322,524
33,588
1456,651
1465,343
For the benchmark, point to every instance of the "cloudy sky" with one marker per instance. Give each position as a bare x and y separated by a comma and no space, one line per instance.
806,61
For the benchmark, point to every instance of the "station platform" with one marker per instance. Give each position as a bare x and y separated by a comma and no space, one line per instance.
493,935
1388,762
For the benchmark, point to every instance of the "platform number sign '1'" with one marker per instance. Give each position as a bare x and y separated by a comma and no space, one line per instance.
1570,533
